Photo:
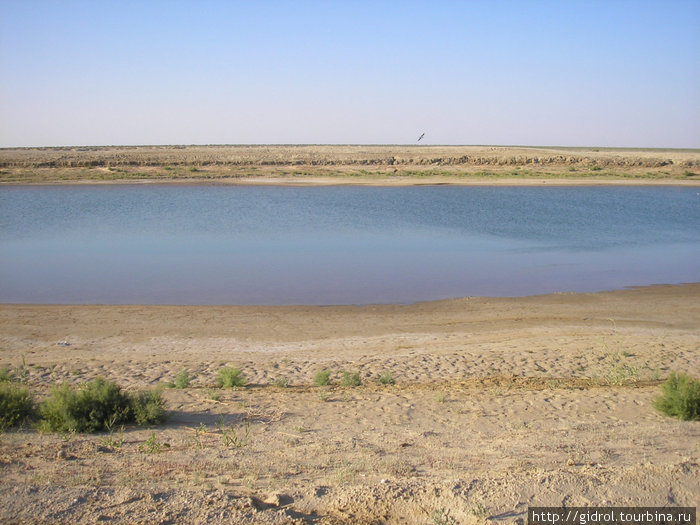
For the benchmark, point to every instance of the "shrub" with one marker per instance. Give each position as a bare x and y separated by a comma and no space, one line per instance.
16,404
680,397
351,379
387,378
148,407
230,378
281,382
5,374
322,378
98,405
182,379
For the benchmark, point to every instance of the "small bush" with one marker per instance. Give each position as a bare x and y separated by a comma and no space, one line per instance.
5,374
16,405
182,379
387,378
680,397
230,378
281,382
213,394
322,378
98,405
152,445
148,407
351,379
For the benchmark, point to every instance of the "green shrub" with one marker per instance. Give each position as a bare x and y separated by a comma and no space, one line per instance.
5,374
322,378
351,379
16,404
148,407
387,378
281,382
182,379
680,397
98,405
230,378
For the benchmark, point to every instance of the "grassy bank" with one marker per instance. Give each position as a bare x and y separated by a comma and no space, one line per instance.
351,164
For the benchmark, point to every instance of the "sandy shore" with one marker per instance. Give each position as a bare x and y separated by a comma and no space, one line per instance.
499,404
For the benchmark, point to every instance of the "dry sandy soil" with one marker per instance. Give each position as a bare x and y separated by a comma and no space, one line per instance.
350,165
499,404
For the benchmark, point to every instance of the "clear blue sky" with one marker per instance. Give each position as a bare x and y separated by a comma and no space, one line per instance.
603,73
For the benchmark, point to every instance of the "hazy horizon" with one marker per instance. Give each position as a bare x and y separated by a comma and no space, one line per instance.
376,144
620,74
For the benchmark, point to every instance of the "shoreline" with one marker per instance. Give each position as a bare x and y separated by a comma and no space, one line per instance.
375,182
349,335
390,305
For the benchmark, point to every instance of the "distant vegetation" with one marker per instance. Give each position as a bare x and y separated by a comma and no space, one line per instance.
127,163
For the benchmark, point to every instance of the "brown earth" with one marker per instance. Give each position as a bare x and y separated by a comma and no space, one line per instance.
499,404
350,164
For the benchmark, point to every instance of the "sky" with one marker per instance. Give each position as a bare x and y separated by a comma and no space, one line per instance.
561,73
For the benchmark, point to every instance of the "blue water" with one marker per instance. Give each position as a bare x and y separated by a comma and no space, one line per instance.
167,244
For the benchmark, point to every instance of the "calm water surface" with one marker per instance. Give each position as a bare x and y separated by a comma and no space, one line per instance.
338,245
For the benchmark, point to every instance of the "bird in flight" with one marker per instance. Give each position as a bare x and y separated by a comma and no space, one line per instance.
422,135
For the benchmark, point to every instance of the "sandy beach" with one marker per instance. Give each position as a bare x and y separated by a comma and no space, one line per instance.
498,404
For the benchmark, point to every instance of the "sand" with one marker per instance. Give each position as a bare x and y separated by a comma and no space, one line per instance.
499,404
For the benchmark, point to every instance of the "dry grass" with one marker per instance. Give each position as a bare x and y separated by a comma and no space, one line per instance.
352,163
